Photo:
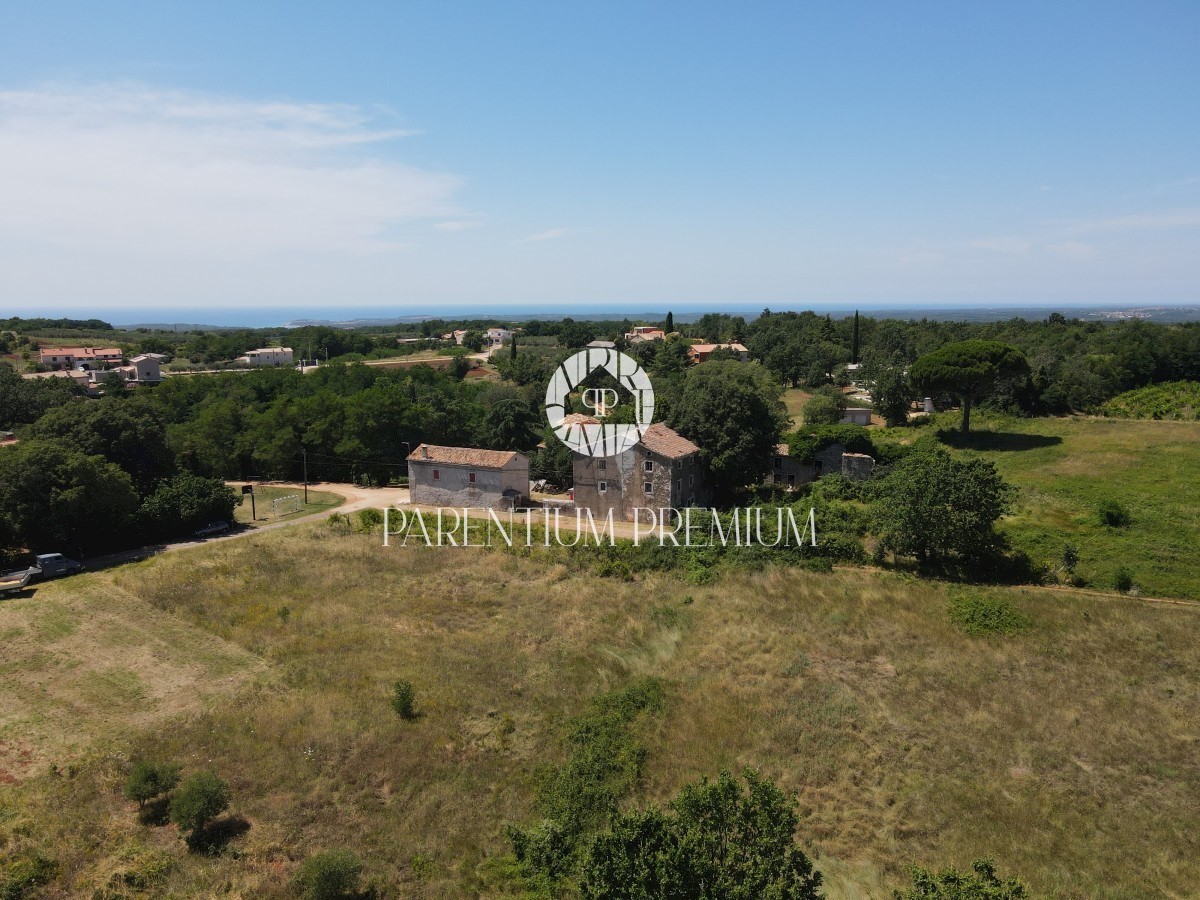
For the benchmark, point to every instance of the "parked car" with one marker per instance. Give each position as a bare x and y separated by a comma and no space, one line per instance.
54,565
210,529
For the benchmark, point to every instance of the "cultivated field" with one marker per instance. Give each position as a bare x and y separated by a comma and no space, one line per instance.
1069,750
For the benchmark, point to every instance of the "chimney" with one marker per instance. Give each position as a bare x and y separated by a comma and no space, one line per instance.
424,451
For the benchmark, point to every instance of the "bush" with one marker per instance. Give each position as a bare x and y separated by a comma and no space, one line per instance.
1113,514
369,519
987,615
1123,580
404,698
150,779
981,884
1070,558
825,407
200,799
21,876
328,875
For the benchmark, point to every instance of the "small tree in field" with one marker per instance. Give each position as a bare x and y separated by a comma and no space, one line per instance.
932,506
329,875
714,840
826,406
404,697
200,799
149,780
968,369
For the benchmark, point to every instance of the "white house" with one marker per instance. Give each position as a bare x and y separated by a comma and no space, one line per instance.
855,415
268,356
497,337
144,369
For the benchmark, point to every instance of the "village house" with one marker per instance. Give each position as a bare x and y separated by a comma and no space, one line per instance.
143,369
790,472
268,356
855,415
498,337
466,476
662,471
63,359
644,333
699,353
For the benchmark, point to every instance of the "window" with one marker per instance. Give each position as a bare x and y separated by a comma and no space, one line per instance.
602,487
648,466
779,462
817,466
775,479
601,464
470,477
679,463
436,475
791,481
679,487
691,480
648,487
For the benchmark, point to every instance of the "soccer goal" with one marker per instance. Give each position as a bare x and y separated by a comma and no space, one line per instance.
281,506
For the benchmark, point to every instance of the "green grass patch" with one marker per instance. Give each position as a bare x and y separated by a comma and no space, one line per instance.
980,615
1171,400
264,495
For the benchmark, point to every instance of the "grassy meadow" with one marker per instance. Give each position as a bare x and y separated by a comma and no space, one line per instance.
1066,748
1067,467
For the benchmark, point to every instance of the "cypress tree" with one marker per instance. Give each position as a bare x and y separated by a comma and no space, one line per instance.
854,340
669,325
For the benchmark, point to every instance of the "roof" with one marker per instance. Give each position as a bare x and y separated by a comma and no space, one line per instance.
271,350
605,345
666,442
463,456
782,450
80,351
709,348
580,419
154,356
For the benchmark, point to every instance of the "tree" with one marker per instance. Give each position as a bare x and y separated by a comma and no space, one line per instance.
826,406
714,840
329,875
184,502
512,348
200,799
53,497
949,884
933,506
473,341
404,698
669,324
890,395
854,340
732,412
969,369
511,425
149,780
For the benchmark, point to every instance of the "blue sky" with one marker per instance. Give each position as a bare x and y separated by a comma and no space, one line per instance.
426,155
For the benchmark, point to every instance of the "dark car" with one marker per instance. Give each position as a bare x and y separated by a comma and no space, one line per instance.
210,529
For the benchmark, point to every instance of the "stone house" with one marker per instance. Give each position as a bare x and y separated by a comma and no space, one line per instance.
466,476
790,472
662,471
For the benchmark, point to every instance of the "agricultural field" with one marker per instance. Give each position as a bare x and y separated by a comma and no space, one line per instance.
1068,468
914,721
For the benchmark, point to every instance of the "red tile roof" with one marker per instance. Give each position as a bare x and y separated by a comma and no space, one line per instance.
664,441
463,456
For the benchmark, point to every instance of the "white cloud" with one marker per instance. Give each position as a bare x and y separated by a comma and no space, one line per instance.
457,224
550,235
149,173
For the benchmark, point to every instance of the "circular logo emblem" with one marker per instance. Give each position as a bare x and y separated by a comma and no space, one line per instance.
587,434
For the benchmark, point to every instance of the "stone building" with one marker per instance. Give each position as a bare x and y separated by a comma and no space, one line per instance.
466,476
662,471
790,472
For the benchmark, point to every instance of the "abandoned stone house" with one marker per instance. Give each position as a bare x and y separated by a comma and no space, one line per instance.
662,471
466,476
790,472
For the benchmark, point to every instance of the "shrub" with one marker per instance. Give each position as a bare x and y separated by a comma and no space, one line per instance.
978,615
150,779
825,407
1123,580
369,519
981,884
200,799
328,875
1113,514
21,876
1070,558
404,698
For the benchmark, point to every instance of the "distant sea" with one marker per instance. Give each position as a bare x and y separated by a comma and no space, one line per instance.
349,316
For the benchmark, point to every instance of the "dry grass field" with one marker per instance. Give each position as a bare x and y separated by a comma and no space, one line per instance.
1069,750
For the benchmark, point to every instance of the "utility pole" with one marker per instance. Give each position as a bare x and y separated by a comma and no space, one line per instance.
304,456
